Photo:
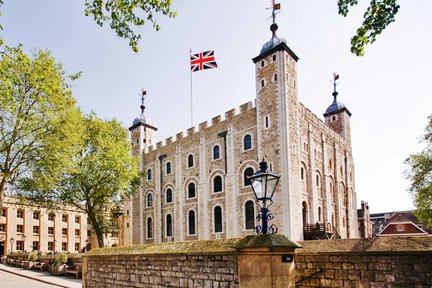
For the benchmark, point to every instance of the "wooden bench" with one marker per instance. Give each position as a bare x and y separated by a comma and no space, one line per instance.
11,261
76,269
41,266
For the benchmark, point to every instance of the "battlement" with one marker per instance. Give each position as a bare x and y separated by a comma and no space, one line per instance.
314,119
227,116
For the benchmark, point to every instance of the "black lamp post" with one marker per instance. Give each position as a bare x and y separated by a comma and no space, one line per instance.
264,184
11,242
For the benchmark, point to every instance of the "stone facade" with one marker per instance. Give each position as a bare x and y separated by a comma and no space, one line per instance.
40,229
195,184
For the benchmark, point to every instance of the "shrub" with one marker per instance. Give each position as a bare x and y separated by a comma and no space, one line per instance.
33,256
60,258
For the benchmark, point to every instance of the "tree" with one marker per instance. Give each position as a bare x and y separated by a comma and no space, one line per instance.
377,17
101,173
420,175
125,17
37,115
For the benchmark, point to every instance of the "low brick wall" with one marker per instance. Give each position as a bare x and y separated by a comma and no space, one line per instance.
188,264
365,263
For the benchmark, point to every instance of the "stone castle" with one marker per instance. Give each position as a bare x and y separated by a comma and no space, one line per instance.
195,186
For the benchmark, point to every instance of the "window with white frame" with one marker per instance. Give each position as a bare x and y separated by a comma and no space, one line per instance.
216,152
217,184
249,215
247,142
191,223
190,161
217,214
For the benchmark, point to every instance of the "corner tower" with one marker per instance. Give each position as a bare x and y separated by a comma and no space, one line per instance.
277,109
337,116
142,135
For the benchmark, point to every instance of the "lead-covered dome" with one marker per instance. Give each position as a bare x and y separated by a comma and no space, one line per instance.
274,41
335,107
143,120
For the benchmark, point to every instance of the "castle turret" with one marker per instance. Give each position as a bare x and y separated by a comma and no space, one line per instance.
143,133
277,109
337,116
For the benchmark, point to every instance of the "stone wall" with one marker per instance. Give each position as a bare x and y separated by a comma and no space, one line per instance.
188,264
389,262
378,262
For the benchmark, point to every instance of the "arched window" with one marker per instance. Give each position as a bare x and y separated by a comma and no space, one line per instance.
247,173
250,215
149,228
149,174
149,199
319,214
302,173
304,213
217,219
191,222
168,168
247,142
169,225
318,180
216,152
191,190
168,195
217,184
190,161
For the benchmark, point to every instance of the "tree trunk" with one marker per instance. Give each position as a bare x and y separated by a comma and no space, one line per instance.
96,228
3,185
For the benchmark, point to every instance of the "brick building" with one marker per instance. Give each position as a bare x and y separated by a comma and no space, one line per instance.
398,223
196,186
364,222
35,228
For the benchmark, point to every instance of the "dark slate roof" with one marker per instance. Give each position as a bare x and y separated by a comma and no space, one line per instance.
275,44
336,107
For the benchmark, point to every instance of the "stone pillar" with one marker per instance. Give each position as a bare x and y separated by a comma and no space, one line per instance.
266,261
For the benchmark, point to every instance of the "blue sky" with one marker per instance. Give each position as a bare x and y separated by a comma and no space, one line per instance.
387,90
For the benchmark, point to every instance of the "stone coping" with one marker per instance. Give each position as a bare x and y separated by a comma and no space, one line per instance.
225,246
369,245
267,241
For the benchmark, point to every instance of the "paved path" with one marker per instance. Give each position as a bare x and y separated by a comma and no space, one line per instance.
15,277
9,280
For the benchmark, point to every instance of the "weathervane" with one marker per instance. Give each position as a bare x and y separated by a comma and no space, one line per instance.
335,77
275,7
143,94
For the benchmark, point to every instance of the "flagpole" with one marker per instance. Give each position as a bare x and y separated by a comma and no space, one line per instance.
192,120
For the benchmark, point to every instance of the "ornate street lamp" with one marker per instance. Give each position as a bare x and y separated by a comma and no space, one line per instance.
264,184
11,243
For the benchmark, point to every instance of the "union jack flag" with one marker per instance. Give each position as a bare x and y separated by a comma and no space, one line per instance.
204,60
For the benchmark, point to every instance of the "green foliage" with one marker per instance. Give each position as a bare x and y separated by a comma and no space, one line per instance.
100,174
420,175
33,256
37,115
60,258
377,17
125,16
